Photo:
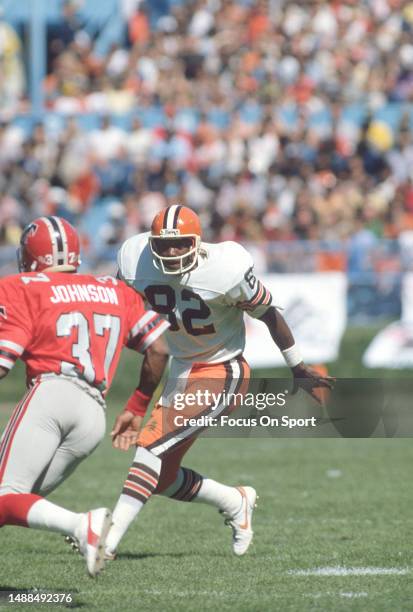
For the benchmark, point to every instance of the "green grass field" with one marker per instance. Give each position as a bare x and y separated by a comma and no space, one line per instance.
324,503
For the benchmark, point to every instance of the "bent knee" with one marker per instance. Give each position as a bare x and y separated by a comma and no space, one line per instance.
166,480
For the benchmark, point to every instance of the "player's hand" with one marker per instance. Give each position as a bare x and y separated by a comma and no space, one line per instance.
125,430
314,380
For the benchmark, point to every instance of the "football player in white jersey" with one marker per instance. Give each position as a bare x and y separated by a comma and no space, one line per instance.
203,290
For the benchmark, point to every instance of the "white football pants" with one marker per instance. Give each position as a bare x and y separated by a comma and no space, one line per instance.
57,424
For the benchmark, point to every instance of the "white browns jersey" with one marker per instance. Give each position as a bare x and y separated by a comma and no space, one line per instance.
205,307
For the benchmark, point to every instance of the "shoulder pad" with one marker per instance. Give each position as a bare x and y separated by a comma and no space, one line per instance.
239,261
129,254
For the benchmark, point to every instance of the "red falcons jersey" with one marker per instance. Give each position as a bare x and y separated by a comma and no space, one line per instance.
72,324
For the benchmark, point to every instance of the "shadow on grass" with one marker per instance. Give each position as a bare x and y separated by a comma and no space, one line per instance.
128,556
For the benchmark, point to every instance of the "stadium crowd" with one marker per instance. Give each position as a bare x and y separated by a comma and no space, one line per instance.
275,120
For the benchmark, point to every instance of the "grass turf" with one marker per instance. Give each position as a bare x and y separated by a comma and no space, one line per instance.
323,503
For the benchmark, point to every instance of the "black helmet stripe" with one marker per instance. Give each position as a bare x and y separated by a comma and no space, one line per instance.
59,241
65,252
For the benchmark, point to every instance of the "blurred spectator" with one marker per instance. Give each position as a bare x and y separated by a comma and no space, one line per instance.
12,80
138,26
106,142
62,33
275,120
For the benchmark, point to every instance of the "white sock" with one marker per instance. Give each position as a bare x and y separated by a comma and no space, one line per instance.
227,499
139,486
45,515
124,514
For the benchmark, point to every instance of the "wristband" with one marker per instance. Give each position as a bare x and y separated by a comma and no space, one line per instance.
138,403
292,356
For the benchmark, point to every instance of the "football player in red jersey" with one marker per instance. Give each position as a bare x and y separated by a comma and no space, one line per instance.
68,328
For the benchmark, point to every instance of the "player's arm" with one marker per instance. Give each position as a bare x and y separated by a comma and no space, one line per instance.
251,296
129,421
153,366
304,376
145,336
16,322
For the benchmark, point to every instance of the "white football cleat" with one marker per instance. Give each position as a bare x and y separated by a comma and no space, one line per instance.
241,521
91,536
74,544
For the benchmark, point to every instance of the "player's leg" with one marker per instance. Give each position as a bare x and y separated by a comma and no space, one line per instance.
29,448
28,445
187,485
141,482
163,441
83,423
184,484
85,426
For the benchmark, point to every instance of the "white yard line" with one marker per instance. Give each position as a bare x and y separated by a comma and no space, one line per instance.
344,594
204,593
351,571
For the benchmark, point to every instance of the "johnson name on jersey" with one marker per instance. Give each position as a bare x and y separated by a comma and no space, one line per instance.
204,306
72,324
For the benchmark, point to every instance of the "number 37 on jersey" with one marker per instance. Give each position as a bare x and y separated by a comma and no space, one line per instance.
72,324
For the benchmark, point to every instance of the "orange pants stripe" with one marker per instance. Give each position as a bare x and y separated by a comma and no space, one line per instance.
166,435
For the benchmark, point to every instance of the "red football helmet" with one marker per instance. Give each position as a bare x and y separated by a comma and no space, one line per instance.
48,242
176,228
